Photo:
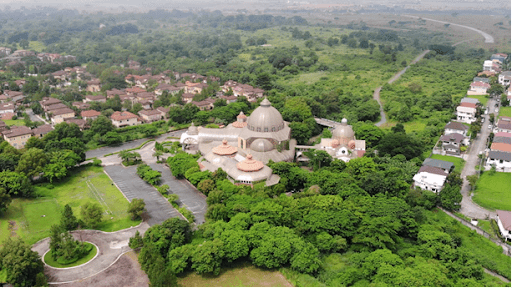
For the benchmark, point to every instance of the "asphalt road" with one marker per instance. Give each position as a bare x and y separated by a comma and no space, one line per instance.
190,197
33,117
127,180
129,145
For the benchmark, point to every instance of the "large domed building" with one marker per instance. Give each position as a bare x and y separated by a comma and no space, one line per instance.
257,138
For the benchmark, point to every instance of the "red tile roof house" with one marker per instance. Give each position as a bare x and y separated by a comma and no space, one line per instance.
54,107
112,93
90,114
81,105
42,130
503,125
59,115
92,98
125,118
187,97
48,101
150,115
16,96
134,90
206,104
503,220
478,88
93,85
79,122
163,111
7,108
17,136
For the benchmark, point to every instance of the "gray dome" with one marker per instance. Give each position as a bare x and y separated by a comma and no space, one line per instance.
343,132
192,130
265,118
262,145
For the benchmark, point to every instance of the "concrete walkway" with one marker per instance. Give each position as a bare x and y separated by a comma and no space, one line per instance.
111,245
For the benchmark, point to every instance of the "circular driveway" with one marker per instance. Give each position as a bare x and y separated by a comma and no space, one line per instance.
111,245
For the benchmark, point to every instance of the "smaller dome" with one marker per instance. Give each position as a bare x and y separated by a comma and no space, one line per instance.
249,164
192,130
352,144
335,143
241,115
261,145
238,124
224,149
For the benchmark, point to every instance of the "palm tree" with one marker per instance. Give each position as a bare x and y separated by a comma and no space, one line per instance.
157,154
124,155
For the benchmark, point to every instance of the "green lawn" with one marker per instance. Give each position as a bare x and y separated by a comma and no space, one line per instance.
49,260
493,191
482,98
486,226
240,275
505,111
17,122
3,276
87,184
458,162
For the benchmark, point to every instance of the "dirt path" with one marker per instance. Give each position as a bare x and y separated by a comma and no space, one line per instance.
376,93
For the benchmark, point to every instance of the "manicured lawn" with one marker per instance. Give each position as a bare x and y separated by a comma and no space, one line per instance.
458,162
493,191
87,184
49,260
17,122
505,111
482,98
241,275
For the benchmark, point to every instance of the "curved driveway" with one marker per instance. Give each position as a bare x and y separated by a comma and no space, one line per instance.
111,246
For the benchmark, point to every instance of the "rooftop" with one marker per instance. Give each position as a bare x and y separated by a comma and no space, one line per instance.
504,217
118,116
445,165
433,170
505,156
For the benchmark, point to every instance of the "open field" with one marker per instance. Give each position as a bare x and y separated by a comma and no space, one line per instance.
482,98
17,122
34,217
493,191
505,111
49,260
458,162
242,275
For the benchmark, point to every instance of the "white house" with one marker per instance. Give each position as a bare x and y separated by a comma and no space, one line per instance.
503,220
488,65
456,127
503,125
430,178
466,112
499,159
478,88
504,78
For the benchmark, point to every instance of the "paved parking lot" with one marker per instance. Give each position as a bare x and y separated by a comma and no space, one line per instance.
194,200
159,209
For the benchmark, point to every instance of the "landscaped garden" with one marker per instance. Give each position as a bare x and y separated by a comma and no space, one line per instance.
493,191
31,219
458,162
92,251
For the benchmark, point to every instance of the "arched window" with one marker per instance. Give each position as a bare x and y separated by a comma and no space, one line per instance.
258,129
265,129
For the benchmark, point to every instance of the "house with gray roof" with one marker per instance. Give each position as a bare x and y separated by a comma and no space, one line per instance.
456,127
445,165
505,140
430,178
500,160
469,100
481,79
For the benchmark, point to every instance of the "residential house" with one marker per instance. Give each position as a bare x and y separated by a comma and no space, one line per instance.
95,98
60,75
206,104
81,105
59,115
17,136
505,140
430,178
164,111
486,73
81,123
150,115
123,119
466,112
503,125
20,83
4,98
499,159
469,100
46,102
171,89
4,51
451,143
489,65
504,78
445,165
133,65
134,90
187,97
7,108
3,127
42,130
499,57
93,86
16,96
146,97
8,116
503,220
90,114
482,79
23,53
53,107
478,88
229,99
502,134
503,147
195,88
112,93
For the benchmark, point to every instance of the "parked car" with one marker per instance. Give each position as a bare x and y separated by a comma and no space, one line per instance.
490,126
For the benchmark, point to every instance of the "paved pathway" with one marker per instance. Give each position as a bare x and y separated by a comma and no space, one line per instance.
129,183
468,207
488,38
111,246
376,93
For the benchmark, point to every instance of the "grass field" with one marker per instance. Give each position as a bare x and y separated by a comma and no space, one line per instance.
482,98
34,217
49,260
493,191
242,275
486,226
505,111
458,162
17,122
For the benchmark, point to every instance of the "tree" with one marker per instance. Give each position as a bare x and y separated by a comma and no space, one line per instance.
136,241
16,184
136,208
32,162
235,244
205,186
318,159
21,264
91,214
5,200
157,154
68,220
101,126
150,131
368,132
450,197
112,138
472,180
207,258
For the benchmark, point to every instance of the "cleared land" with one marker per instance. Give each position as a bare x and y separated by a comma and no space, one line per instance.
242,275
493,191
505,111
458,162
32,218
